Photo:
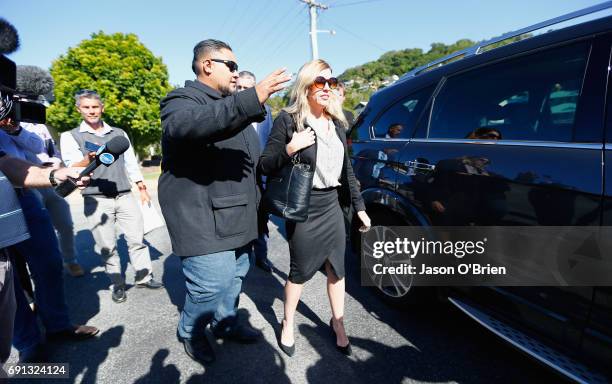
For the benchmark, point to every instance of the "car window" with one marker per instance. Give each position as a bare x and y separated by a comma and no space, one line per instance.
398,121
530,98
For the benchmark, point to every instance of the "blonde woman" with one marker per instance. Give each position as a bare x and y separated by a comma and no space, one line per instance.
313,126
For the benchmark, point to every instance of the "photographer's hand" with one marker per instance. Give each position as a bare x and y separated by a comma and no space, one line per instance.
10,126
72,173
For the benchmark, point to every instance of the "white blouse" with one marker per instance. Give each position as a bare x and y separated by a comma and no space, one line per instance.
330,155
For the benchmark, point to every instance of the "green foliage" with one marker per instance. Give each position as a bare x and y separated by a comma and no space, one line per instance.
400,62
130,79
370,76
276,103
279,100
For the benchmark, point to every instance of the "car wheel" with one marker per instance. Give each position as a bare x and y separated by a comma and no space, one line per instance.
401,293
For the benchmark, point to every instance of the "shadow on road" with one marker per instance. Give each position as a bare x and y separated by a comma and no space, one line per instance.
85,357
160,373
174,281
245,363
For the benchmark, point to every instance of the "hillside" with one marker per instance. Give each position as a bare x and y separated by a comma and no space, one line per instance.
365,79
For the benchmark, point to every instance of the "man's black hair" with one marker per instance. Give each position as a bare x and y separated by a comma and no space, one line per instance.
204,47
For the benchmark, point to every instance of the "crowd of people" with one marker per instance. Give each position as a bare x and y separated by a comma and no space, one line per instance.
213,214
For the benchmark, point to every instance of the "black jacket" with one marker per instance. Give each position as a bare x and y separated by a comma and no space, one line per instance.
208,190
275,157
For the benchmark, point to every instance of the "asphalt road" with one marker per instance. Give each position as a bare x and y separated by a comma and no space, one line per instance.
137,342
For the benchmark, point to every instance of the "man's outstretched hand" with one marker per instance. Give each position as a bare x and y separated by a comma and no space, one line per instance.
272,84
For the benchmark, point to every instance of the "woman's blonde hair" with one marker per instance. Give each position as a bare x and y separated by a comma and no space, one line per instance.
298,103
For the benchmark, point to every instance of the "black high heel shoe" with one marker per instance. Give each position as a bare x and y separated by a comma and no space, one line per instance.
346,350
288,349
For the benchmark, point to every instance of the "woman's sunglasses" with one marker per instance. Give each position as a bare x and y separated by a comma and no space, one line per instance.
319,82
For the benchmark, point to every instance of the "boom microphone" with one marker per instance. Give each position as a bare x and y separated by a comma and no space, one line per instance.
9,39
33,81
106,155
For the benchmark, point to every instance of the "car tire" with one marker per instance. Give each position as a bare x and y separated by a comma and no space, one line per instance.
395,296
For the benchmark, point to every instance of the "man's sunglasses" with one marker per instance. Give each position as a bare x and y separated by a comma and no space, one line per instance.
233,67
319,82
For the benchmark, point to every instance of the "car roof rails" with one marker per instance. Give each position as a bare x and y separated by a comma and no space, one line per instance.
518,35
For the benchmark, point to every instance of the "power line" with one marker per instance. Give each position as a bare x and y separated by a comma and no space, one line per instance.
283,19
229,15
279,32
360,38
287,26
258,21
237,19
296,33
355,3
284,43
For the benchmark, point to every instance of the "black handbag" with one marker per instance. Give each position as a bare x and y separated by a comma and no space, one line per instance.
287,194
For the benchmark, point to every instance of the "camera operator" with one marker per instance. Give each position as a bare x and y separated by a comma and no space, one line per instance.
18,173
42,255
41,249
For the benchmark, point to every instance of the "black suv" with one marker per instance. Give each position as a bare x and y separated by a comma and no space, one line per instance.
514,134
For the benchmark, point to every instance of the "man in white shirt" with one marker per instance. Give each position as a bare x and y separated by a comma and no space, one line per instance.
108,198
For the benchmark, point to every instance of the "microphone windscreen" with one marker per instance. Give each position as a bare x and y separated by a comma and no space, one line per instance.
9,39
33,80
117,145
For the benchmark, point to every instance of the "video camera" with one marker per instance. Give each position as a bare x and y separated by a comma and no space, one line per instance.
15,102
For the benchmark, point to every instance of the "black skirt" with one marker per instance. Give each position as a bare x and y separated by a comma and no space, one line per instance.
321,237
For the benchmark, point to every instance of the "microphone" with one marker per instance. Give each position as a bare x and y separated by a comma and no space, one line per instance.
9,42
33,81
9,39
106,155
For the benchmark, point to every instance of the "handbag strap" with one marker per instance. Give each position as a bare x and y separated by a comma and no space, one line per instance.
295,159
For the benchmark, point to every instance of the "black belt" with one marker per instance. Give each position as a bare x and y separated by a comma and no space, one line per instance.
324,189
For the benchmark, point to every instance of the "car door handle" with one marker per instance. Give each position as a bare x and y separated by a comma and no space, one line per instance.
417,165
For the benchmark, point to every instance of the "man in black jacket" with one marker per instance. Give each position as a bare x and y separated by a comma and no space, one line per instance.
208,190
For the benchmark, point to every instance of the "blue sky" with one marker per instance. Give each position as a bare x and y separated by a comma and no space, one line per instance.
267,34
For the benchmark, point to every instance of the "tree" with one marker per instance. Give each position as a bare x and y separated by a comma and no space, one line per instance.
128,77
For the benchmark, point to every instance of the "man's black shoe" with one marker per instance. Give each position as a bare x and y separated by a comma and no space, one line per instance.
244,334
264,264
199,349
151,284
119,295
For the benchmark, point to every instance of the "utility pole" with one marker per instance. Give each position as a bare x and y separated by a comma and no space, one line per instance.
313,7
